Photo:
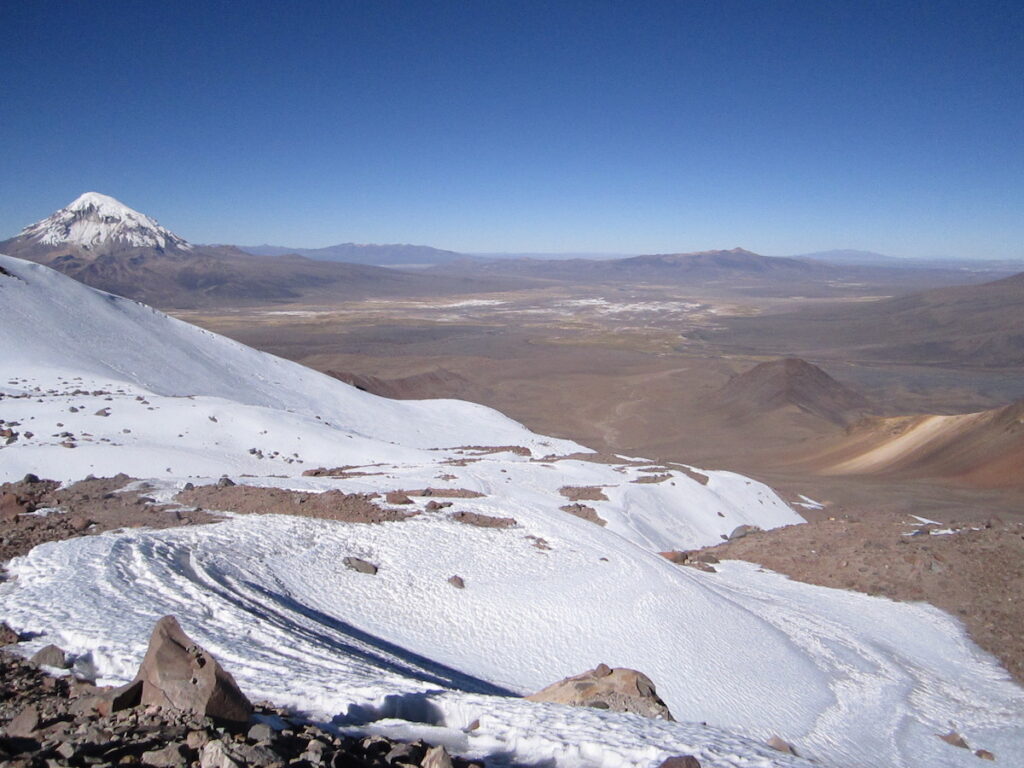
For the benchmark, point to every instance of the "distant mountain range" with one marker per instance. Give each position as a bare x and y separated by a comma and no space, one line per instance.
104,243
107,245
399,255
978,325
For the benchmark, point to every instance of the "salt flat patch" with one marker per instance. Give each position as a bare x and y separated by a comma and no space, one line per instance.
866,680
471,303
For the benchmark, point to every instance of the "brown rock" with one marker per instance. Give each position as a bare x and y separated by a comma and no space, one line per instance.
742,530
984,754
781,745
178,673
458,582
397,497
49,656
79,523
680,761
24,723
107,701
954,738
619,689
173,755
7,635
360,565
436,757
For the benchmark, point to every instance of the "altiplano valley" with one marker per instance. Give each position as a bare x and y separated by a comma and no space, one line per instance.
348,521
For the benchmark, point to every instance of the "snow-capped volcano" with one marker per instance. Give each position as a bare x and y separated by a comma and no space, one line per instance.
100,224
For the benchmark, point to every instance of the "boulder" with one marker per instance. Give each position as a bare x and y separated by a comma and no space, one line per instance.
24,723
619,689
49,656
954,739
178,673
436,757
680,761
174,755
781,745
11,506
106,701
7,635
457,581
360,565
742,530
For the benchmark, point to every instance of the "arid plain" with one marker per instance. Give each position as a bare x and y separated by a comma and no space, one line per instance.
641,369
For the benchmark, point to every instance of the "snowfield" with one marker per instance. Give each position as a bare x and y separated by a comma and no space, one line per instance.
738,655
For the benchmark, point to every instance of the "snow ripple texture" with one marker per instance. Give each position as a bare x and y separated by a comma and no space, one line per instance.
853,680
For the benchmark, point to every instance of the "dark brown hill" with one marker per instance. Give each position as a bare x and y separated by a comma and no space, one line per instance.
793,382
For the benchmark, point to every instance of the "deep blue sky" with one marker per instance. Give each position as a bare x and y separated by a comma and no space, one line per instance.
783,127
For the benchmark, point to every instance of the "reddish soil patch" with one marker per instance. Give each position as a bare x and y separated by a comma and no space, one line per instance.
482,521
485,450
600,457
976,575
585,512
653,478
329,505
583,493
347,471
693,475
87,507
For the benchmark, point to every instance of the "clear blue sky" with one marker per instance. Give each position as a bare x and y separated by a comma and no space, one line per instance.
783,127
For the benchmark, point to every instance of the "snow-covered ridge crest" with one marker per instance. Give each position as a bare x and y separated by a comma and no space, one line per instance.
99,222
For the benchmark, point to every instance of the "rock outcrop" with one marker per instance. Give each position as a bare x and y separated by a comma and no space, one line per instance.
177,672
619,689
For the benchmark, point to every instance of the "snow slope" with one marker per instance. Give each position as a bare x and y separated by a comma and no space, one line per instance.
97,222
852,680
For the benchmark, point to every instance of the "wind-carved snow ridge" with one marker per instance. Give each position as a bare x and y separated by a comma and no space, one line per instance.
851,680
94,220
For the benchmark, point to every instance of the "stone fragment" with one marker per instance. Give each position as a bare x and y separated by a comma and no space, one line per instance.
24,723
742,530
360,565
7,635
261,732
437,757
781,745
680,761
49,656
457,581
954,738
173,755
